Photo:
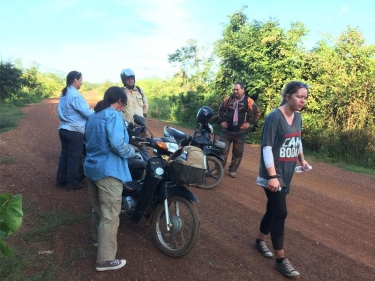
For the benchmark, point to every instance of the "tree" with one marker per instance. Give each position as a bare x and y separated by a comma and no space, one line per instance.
262,55
10,80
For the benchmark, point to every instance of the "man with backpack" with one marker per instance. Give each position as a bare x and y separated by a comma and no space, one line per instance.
235,121
137,100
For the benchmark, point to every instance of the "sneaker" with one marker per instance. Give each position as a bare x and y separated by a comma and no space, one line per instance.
233,174
286,268
110,265
261,246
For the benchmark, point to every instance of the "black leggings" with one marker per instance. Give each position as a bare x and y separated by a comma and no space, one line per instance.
273,220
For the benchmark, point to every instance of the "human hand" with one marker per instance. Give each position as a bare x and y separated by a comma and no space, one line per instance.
245,126
273,185
224,125
304,164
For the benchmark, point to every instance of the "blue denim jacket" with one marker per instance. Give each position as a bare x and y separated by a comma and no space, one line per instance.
73,111
107,146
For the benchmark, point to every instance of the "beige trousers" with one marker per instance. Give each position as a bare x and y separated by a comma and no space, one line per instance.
105,195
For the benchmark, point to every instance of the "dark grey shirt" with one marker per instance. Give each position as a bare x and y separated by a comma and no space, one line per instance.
285,141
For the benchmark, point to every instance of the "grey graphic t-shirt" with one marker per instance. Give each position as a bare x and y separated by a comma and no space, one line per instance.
285,141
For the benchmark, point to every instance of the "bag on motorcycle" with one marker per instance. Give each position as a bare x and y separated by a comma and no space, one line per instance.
187,165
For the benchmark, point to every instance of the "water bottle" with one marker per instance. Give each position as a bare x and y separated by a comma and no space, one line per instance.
263,183
183,155
300,169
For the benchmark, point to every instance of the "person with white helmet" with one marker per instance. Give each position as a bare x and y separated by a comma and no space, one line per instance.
137,100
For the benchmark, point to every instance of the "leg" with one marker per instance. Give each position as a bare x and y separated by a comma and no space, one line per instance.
226,137
237,151
75,151
110,192
63,160
96,211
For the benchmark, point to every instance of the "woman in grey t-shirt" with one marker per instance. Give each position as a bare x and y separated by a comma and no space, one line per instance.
281,148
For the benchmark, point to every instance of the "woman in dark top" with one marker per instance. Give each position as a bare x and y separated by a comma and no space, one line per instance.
281,148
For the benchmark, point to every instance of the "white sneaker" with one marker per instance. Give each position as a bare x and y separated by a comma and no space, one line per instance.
110,265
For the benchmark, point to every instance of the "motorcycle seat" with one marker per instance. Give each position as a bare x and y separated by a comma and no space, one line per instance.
177,134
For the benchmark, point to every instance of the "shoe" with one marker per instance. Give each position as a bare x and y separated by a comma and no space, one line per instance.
286,268
261,246
233,174
74,186
60,183
110,265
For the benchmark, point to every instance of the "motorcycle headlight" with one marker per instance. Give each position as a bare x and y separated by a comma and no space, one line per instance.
159,171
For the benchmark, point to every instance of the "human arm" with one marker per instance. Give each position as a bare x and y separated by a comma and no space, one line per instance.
145,102
273,182
255,111
117,136
221,112
81,106
255,115
301,157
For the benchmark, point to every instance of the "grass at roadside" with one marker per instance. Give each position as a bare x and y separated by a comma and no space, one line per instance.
10,115
27,262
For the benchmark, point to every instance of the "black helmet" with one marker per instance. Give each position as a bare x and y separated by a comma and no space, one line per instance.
126,73
205,114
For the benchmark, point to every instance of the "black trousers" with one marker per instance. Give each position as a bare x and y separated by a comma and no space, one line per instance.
70,163
273,221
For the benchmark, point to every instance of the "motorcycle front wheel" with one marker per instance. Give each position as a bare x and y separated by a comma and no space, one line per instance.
214,173
184,227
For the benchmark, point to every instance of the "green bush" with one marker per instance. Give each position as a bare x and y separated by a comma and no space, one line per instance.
355,147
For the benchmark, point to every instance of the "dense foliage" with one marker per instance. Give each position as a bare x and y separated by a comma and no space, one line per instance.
339,116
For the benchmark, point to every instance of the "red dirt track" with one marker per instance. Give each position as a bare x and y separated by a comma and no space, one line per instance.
330,229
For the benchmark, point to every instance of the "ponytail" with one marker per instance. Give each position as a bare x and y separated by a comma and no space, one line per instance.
72,75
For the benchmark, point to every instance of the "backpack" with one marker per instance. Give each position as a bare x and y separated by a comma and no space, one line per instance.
187,165
139,90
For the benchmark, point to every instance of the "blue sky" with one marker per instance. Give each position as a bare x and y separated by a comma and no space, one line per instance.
100,38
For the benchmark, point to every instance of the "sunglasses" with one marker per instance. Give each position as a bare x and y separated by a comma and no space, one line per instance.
77,75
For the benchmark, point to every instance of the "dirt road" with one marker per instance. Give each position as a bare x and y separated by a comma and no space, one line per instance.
330,229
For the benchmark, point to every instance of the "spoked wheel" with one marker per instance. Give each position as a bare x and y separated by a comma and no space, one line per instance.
214,173
183,226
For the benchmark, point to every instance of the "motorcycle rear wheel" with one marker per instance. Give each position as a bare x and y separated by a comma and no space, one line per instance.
184,228
214,173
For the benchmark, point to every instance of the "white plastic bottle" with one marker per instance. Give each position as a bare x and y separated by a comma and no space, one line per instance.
299,169
263,183
183,156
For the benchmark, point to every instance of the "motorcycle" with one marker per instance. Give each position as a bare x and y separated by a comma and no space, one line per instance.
211,149
168,206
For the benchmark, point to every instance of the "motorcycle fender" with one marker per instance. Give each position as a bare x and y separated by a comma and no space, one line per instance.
178,190
210,153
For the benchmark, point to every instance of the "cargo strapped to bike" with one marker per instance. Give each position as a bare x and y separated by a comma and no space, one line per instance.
187,165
